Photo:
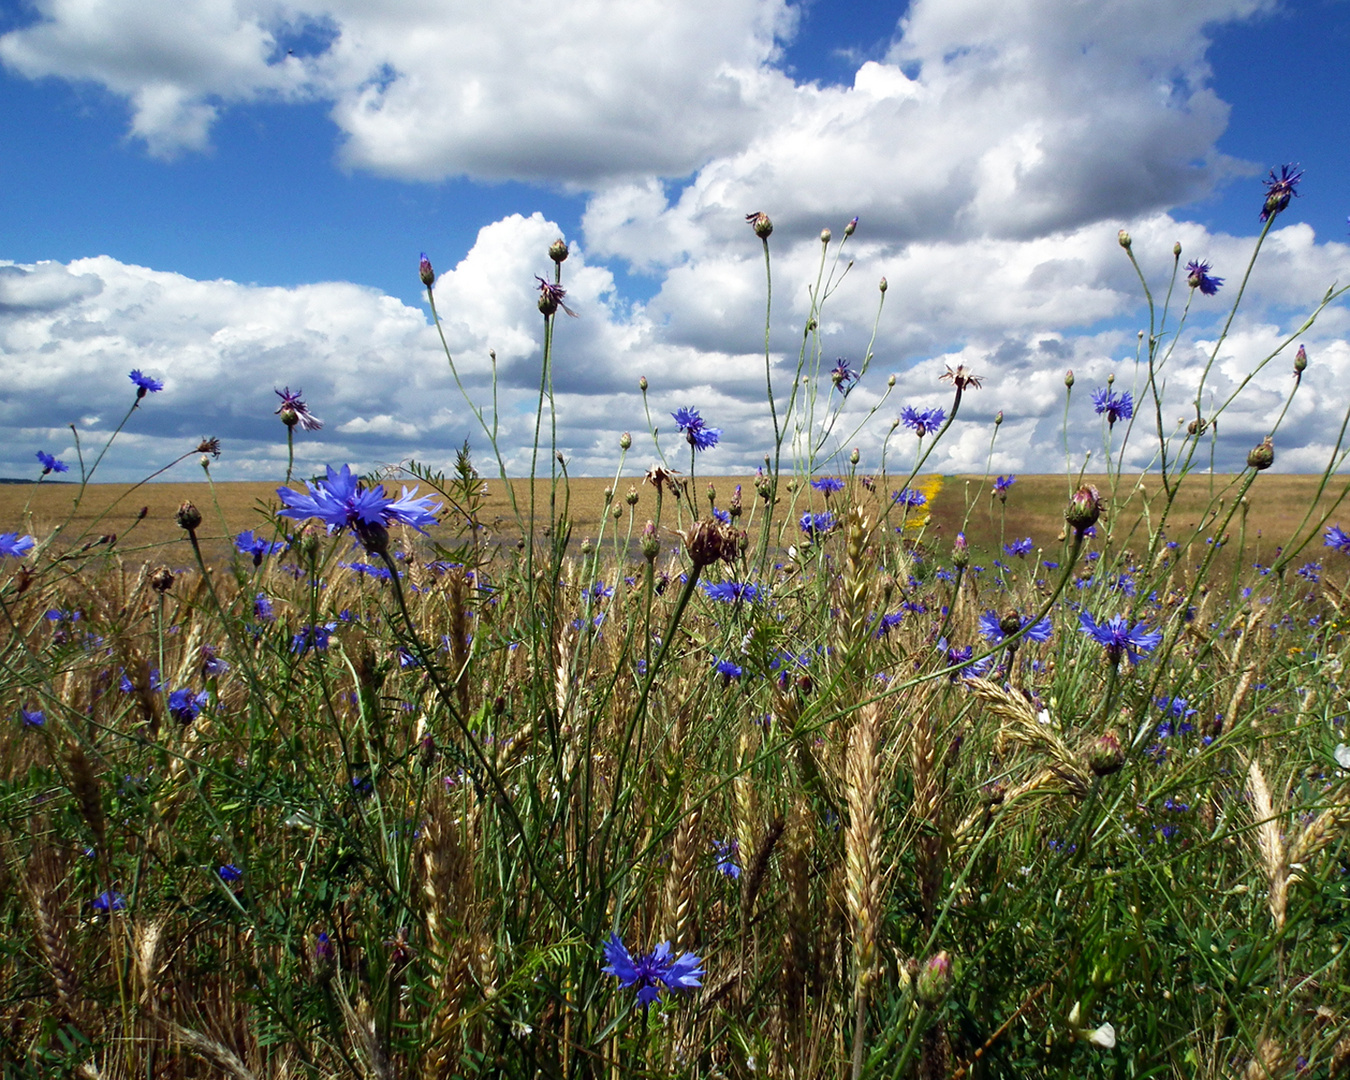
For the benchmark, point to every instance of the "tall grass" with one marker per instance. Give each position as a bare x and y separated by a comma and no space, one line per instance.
785,791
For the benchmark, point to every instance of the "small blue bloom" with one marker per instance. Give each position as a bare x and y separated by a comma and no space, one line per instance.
145,384
229,873
728,670
696,429
728,853
1112,405
341,501
1019,547
250,543
651,971
184,705
51,464
1279,189
843,377
35,718
828,485
1199,277
262,608
1339,539
817,525
730,591
312,637
721,515
109,901
1118,637
909,497
922,421
15,546
1002,485
212,665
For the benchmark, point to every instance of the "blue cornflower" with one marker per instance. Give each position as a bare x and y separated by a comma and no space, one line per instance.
1002,484
1199,277
991,628
922,421
696,429
1279,189
729,671
1177,706
909,497
730,591
109,901
1339,539
1310,571
888,622
262,608
144,384
721,515
293,410
1019,547
229,873
651,971
312,637
35,718
1118,637
816,525
1114,406
960,659
828,485
727,852
212,665
15,546
184,705
51,464
250,543
342,501
843,377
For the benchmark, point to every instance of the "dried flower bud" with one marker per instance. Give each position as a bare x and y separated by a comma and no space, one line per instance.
1197,427
734,507
708,541
1084,509
162,580
425,272
632,497
1011,622
1123,238
557,251
188,517
588,546
1106,756
759,221
1263,456
625,441
934,981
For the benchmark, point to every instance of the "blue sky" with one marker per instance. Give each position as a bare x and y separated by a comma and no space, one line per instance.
254,217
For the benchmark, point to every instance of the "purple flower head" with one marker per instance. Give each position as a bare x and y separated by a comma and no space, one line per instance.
15,546
1279,189
212,665
817,525
653,971
249,543
425,272
696,429
109,901
1002,484
51,464
342,501
229,873
1119,637
843,376
721,515
184,705
960,659
828,485
262,608
293,410
312,637
1339,539
35,718
1114,406
909,497
551,297
729,670
1020,547
728,592
144,384
728,853
1199,277
922,421
991,628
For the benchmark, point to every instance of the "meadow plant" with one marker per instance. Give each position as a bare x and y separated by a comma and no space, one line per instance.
371,789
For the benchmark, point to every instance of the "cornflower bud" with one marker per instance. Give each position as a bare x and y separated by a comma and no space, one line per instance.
616,513
960,551
289,417
1106,756
650,542
891,381
1263,456
557,251
162,580
1068,378
587,547
625,441
935,980
188,517
1011,622
759,221
824,236
998,418
425,272
734,508
854,457
1176,250
1084,509
632,497
642,384
1300,360
609,495
850,227
883,286
1123,238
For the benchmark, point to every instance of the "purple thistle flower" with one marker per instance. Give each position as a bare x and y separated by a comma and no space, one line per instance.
1199,277
1280,189
293,410
342,501
696,429
1114,406
15,546
922,421
51,464
828,485
1339,539
653,971
843,377
1118,637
